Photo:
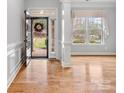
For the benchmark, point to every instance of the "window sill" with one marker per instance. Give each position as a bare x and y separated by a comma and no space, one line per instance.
86,44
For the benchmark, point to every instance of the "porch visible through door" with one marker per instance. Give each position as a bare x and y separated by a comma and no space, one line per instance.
40,37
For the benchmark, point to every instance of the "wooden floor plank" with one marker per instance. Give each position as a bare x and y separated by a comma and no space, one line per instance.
88,74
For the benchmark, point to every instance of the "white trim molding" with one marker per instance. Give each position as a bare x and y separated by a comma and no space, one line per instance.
13,47
15,60
83,1
93,53
14,73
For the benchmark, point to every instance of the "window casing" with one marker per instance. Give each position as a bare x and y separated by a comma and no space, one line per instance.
90,30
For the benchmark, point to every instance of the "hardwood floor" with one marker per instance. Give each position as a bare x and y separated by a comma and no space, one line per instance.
39,52
89,74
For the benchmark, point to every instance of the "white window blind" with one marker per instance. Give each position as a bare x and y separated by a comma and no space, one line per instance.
89,26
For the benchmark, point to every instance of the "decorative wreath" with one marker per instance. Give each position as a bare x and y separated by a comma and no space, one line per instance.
38,27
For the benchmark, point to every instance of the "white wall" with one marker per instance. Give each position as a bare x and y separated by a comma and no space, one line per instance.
110,45
41,3
15,37
107,49
48,4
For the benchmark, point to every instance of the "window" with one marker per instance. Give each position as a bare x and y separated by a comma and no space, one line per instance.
88,29
79,30
95,29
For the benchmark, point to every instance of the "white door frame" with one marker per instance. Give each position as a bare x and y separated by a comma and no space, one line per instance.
56,31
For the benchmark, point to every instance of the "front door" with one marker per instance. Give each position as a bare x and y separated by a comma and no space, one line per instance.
39,37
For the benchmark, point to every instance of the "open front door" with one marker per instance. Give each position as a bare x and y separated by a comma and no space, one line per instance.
27,39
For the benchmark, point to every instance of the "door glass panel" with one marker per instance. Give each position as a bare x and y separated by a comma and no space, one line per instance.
40,43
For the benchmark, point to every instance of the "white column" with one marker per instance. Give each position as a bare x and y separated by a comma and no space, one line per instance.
66,34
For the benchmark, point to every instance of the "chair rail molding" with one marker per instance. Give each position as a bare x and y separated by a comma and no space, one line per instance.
13,47
15,60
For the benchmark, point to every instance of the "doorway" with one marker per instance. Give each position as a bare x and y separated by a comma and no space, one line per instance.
39,37
41,31
36,37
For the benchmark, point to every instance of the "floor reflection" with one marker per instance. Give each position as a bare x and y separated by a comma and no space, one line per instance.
85,76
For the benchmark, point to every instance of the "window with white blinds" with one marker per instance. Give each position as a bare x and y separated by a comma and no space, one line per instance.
89,27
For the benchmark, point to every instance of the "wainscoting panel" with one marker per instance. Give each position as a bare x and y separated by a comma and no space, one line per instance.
15,59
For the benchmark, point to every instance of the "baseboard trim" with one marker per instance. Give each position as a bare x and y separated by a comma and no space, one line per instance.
13,76
92,53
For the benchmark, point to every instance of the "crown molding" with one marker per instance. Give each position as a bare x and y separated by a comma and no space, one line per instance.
83,1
